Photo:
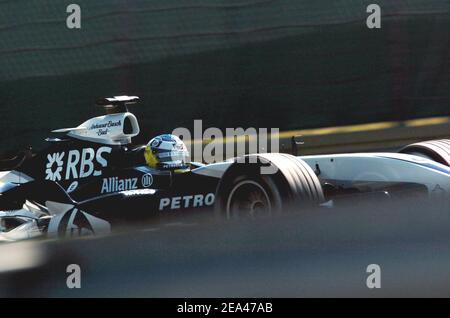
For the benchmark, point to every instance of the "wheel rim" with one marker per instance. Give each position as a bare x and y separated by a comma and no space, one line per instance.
248,199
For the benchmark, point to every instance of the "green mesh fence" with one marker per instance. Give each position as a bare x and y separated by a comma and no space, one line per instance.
262,63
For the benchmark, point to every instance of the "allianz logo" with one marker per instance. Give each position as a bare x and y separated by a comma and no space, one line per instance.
116,184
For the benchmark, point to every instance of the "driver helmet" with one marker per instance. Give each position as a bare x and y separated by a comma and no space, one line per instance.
167,152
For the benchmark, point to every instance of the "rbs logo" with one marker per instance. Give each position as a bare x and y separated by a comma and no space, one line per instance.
75,165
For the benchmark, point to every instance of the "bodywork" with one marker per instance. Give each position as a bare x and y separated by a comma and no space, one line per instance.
94,179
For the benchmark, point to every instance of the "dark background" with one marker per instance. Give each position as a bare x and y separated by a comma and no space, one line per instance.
283,63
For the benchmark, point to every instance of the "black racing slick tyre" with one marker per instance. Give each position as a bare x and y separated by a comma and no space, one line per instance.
265,184
436,150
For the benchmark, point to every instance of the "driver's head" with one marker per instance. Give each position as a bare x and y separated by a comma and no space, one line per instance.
167,152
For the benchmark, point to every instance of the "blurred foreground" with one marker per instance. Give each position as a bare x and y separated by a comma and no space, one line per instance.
321,253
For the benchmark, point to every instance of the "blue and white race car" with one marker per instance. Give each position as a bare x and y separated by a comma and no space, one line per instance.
94,179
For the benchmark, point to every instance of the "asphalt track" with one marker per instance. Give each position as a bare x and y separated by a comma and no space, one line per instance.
320,253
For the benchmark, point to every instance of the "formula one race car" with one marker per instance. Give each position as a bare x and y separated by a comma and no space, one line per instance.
93,179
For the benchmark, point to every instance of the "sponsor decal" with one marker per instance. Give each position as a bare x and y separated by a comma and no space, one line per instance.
103,128
54,173
147,180
72,187
68,221
155,143
106,125
77,164
172,154
187,201
114,184
138,192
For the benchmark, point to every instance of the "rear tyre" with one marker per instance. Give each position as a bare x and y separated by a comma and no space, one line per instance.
436,150
246,190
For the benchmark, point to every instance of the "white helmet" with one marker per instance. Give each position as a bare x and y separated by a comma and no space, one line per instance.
167,152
